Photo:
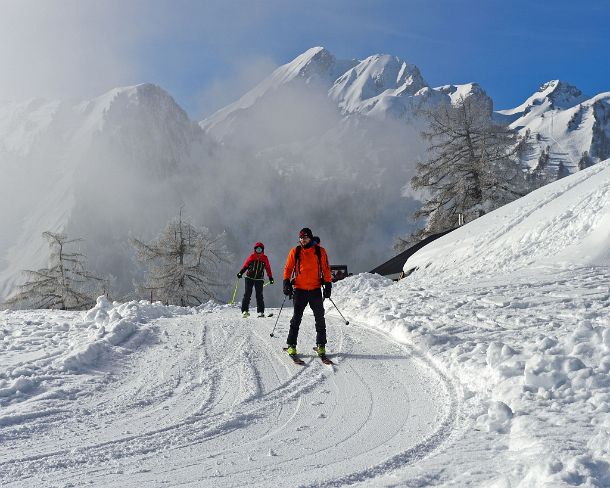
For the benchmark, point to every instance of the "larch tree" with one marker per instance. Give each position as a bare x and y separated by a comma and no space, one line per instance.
65,284
184,264
473,167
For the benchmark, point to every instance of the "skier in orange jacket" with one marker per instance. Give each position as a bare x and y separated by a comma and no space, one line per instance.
306,271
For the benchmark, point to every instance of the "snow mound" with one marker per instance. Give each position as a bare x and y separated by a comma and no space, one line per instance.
497,418
111,324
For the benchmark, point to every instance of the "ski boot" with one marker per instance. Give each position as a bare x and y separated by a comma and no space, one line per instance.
245,314
321,350
260,315
292,350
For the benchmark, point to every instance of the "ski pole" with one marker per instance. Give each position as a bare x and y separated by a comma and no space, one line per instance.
346,321
278,316
235,291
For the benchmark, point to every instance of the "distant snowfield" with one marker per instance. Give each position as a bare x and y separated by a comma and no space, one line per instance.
489,366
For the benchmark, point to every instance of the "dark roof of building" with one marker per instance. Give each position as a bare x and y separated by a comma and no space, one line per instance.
396,264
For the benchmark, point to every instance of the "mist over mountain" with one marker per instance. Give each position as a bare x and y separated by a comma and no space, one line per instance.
321,142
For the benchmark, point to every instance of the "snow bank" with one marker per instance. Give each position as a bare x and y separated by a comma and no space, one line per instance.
111,324
530,353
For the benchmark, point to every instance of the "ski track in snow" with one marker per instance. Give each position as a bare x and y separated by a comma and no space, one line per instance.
210,399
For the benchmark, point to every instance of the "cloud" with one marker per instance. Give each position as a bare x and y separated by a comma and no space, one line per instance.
66,49
220,92
76,49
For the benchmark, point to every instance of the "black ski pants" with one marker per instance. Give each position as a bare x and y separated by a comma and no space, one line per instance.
301,299
258,287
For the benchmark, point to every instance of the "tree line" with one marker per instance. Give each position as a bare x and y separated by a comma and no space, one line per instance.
182,269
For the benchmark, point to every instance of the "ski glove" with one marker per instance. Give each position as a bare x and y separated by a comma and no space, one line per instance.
327,287
271,281
239,275
287,288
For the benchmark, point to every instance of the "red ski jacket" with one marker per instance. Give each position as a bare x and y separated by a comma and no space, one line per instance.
256,264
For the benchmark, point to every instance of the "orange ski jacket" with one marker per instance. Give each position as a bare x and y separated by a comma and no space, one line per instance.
307,274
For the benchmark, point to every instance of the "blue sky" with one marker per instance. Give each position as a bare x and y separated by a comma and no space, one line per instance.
207,53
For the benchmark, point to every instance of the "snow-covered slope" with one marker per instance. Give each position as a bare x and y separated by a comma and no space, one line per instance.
564,224
560,119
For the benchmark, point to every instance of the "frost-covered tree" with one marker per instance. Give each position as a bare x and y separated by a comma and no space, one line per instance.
184,264
473,167
539,172
585,161
562,171
65,284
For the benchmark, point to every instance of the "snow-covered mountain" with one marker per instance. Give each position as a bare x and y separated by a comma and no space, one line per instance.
103,170
563,123
380,86
316,66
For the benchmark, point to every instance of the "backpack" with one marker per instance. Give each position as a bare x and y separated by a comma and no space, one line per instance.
256,269
297,263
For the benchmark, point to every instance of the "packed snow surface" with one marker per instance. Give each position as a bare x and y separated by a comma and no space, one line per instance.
142,394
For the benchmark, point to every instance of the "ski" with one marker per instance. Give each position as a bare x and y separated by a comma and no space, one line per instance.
295,359
325,359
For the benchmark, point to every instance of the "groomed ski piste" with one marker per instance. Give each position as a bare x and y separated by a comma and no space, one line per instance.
487,366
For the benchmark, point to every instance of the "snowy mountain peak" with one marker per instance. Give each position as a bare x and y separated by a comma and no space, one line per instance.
458,92
562,95
378,75
316,66
143,97
552,95
315,62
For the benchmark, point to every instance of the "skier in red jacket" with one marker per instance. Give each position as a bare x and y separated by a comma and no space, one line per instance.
254,268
